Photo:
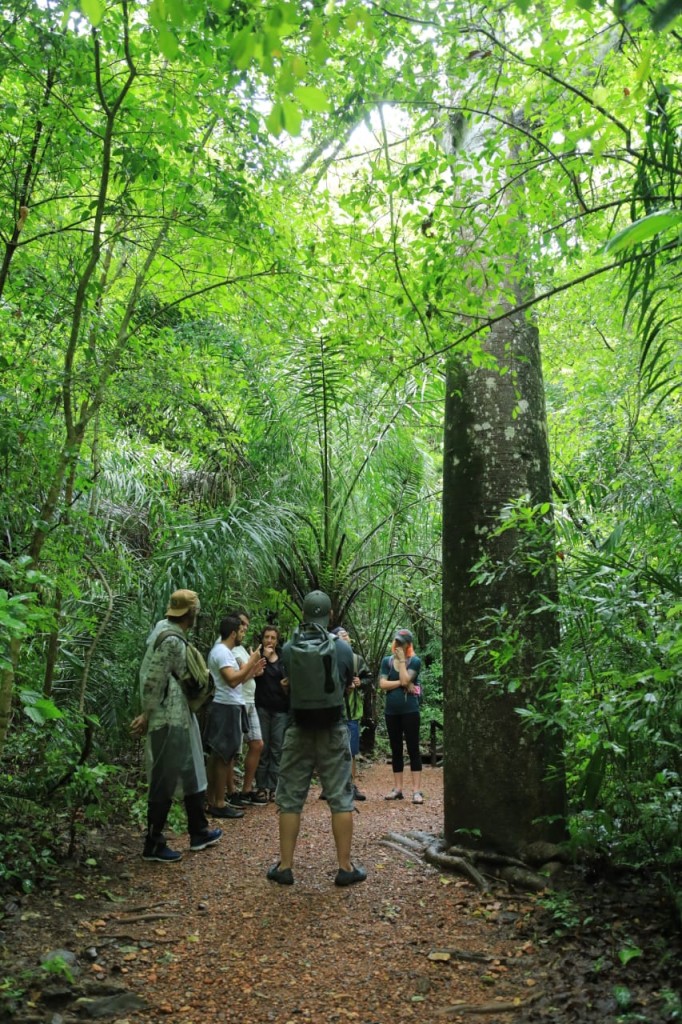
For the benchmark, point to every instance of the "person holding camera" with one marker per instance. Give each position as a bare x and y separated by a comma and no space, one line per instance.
399,679
272,705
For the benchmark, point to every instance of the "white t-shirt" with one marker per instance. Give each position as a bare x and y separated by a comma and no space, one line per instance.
222,657
249,686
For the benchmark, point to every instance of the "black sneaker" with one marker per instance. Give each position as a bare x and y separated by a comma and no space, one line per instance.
208,838
283,876
322,796
356,874
258,798
224,812
357,795
238,800
161,853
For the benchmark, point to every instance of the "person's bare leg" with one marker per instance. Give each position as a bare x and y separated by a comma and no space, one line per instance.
219,781
251,763
398,781
289,825
416,782
210,776
357,792
342,827
229,776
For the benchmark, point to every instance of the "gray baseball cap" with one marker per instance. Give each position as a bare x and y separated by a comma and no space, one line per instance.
316,607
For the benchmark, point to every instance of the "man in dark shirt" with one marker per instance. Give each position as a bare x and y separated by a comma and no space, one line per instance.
317,740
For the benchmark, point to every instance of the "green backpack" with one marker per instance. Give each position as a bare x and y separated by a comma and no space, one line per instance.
197,683
314,678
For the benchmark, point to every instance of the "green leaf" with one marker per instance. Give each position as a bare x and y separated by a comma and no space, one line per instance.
644,229
168,44
292,117
242,47
628,954
275,120
92,9
312,98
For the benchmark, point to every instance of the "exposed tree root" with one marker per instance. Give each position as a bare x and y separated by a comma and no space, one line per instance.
477,865
432,855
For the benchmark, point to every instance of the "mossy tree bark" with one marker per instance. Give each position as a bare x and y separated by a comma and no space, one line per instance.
504,783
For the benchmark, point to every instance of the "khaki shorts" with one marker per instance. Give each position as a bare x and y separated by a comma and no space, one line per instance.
305,751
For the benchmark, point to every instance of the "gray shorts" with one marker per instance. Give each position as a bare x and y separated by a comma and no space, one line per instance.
224,729
254,731
305,751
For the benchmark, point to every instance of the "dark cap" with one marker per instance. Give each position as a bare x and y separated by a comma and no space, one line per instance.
403,636
316,608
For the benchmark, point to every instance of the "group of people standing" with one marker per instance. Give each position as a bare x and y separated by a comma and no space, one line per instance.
251,702
285,745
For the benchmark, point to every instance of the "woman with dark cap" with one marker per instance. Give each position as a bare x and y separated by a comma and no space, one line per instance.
399,679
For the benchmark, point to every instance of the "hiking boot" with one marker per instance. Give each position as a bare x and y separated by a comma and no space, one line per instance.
208,838
357,795
356,874
283,876
395,794
161,853
224,812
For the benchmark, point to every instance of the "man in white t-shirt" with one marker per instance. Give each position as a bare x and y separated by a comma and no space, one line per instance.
227,714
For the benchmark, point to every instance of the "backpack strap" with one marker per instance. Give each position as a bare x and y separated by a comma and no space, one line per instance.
164,635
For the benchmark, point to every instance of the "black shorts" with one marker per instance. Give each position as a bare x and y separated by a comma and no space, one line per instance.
224,729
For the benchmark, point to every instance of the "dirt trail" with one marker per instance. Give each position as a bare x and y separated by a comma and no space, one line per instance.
255,951
210,939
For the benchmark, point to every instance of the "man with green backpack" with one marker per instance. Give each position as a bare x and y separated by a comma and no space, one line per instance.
320,669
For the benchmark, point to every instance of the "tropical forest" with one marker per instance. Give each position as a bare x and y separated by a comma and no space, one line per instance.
378,298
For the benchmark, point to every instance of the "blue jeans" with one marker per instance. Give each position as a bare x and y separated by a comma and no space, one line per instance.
353,727
273,725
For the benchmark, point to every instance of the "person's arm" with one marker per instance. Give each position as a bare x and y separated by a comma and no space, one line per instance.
405,674
234,676
384,682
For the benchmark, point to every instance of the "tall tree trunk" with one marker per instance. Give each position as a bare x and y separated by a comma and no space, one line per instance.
503,778
6,691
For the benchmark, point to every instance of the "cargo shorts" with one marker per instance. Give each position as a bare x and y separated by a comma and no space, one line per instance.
305,751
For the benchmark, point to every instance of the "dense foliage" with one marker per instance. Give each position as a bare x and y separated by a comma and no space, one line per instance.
236,252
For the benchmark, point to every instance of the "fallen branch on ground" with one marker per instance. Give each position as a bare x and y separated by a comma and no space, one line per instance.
142,917
483,1008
